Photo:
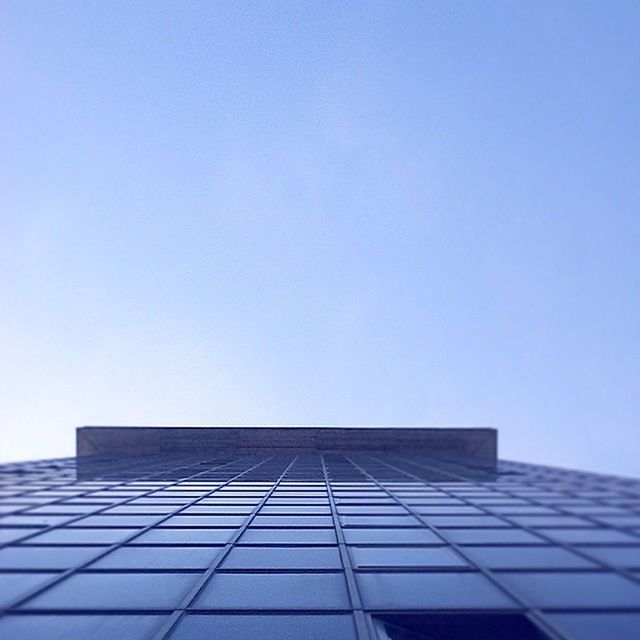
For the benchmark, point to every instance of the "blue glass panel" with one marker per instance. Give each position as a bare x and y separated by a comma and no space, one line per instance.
417,557
588,590
391,536
628,557
430,591
527,558
204,521
26,557
288,536
283,558
275,591
124,591
185,536
158,558
581,536
599,626
79,627
491,536
115,521
9,535
292,521
16,585
82,536
265,627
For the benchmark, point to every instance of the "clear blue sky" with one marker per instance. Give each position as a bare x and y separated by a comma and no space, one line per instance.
323,212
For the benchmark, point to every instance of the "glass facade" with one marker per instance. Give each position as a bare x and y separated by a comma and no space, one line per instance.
316,546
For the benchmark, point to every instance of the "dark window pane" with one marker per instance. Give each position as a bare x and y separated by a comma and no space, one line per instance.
460,626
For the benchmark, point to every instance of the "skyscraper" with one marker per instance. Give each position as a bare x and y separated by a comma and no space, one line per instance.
323,533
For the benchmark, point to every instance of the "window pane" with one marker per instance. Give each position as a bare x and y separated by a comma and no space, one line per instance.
491,536
596,626
274,591
430,591
82,536
292,521
527,558
283,558
185,536
628,557
9,535
271,627
137,521
379,521
15,585
417,557
459,626
391,536
79,627
158,558
116,591
577,536
288,536
26,557
311,510
204,521
573,589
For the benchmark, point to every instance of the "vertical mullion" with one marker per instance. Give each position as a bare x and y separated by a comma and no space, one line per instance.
359,616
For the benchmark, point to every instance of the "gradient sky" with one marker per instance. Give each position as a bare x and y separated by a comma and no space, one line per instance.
323,212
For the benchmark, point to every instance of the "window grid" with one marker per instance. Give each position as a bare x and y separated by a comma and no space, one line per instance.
386,520
579,550
532,612
136,533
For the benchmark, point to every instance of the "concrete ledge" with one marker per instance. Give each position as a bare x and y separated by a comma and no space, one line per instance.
477,445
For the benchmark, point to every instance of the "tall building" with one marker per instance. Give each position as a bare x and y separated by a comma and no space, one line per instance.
319,533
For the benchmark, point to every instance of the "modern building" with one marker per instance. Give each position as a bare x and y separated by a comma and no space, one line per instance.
313,533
